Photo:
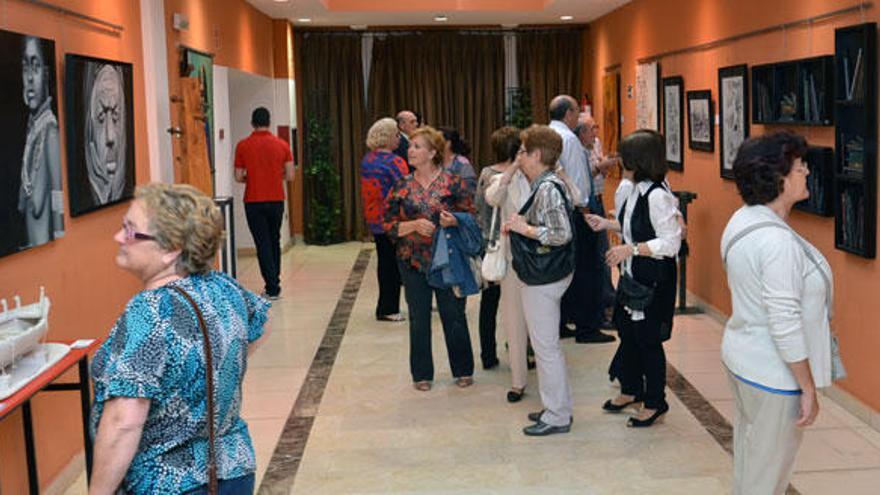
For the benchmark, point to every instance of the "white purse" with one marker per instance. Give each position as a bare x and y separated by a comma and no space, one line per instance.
494,266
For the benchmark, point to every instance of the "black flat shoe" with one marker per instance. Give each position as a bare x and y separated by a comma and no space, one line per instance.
488,365
594,337
541,429
644,423
535,416
610,406
515,396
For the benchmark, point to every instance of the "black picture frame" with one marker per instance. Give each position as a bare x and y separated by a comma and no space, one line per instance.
701,120
733,114
82,75
673,128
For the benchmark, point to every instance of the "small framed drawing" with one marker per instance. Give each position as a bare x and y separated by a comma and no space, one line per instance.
673,108
701,127
733,107
648,96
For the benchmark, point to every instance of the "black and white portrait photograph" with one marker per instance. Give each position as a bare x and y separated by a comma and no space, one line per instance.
734,114
100,132
701,126
31,194
673,107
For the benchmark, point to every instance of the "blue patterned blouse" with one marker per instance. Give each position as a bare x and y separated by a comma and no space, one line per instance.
155,351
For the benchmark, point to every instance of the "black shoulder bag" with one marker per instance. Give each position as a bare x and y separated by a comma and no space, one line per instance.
535,263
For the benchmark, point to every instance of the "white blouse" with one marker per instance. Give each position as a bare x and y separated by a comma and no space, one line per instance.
781,307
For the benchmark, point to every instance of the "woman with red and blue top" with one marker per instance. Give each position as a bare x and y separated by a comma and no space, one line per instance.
416,206
380,170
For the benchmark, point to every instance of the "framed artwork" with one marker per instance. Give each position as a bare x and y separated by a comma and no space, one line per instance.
701,127
31,193
610,111
100,132
201,65
648,96
673,108
733,107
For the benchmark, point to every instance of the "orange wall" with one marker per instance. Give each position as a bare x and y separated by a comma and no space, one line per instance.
647,27
87,290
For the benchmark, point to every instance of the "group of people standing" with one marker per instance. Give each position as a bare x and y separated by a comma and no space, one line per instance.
541,200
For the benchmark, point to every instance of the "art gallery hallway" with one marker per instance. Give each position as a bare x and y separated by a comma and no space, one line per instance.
329,403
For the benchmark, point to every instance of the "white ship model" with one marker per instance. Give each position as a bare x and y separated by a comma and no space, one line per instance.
22,328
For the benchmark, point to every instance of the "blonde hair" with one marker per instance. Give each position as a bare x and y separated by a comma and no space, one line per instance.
382,133
184,218
434,140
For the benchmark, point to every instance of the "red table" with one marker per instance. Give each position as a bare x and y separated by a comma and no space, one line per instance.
43,381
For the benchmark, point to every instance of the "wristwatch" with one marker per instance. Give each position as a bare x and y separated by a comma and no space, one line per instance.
635,247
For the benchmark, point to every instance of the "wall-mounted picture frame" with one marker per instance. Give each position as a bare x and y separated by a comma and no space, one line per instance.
673,125
701,123
733,109
31,192
99,123
611,111
648,96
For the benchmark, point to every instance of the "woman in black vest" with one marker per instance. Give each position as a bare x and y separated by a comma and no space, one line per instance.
651,237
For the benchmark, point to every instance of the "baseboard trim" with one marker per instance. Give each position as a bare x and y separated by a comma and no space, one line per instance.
840,396
252,251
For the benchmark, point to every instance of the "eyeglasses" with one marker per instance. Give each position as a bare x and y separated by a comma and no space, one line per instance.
132,235
522,151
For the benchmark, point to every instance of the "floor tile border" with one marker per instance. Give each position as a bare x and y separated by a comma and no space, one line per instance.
286,458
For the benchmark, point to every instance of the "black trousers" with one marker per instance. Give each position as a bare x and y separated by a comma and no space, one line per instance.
488,316
582,302
264,221
388,276
642,359
455,328
601,248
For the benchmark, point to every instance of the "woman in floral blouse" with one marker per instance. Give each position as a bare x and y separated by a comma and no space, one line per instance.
416,205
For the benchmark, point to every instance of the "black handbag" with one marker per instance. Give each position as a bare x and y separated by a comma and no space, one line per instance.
633,294
536,263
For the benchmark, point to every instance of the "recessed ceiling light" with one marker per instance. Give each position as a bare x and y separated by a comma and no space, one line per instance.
305,20
280,1
566,18
441,18
358,27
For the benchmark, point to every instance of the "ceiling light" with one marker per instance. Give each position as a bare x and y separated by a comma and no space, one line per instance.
305,20
566,18
358,27
441,18
280,1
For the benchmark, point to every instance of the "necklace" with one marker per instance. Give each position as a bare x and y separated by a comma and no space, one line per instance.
431,180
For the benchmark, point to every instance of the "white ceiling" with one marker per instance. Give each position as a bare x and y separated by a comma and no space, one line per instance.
583,11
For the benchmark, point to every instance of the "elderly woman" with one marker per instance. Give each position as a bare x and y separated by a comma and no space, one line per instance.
455,157
777,342
651,237
417,204
159,429
543,225
380,170
503,186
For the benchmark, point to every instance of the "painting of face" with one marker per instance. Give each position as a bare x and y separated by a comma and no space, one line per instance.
100,129
33,70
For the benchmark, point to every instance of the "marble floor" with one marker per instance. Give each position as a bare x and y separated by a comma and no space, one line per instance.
330,406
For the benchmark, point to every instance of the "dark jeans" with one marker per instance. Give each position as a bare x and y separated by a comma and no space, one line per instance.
642,360
455,327
243,485
264,221
488,312
582,302
388,276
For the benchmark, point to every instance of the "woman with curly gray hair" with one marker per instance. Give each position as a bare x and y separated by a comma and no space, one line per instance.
777,342
166,417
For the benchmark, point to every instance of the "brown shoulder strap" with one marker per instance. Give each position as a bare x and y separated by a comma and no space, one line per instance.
209,378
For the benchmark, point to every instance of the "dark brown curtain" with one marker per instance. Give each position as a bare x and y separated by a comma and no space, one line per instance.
333,90
549,64
451,78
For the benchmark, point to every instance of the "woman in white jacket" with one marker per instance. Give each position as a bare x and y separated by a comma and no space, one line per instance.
777,342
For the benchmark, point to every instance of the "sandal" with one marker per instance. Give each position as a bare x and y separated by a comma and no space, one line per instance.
464,381
391,317
422,386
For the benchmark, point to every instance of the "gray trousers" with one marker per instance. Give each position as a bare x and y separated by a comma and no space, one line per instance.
541,307
765,439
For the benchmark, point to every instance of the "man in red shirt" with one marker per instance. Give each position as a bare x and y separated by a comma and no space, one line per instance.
263,162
